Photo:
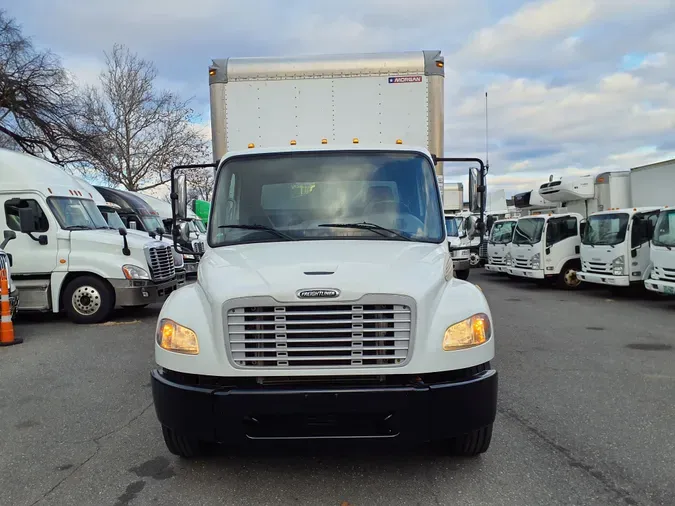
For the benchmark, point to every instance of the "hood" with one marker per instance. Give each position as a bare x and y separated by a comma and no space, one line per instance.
353,267
110,237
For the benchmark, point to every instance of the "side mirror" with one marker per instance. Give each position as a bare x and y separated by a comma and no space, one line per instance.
9,236
476,192
184,232
122,231
27,220
181,209
471,227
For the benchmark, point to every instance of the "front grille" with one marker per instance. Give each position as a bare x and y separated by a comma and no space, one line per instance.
596,267
665,274
483,252
198,247
162,266
495,260
521,263
328,335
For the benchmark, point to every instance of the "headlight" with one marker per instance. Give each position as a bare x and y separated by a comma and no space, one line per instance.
507,259
188,257
535,261
134,272
618,266
468,333
174,337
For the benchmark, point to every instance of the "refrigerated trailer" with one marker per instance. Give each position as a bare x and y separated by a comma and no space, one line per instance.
326,306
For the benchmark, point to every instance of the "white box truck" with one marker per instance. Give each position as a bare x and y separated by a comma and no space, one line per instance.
654,184
326,306
66,257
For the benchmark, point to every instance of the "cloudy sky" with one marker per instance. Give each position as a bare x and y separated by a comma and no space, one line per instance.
575,86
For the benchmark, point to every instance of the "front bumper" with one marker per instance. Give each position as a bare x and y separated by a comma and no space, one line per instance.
231,413
603,279
495,268
660,286
526,273
13,302
141,292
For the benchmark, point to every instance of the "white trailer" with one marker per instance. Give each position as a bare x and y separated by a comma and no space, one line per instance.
66,257
655,184
327,285
453,198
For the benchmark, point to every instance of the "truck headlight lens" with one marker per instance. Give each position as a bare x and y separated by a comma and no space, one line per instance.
187,256
508,259
618,266
134,272
468,333
535,261
174,337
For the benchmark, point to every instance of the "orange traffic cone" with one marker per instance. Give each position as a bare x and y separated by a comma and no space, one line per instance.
6,326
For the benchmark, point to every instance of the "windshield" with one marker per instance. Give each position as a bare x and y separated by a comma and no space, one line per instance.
664,232
300,196
76,213
152,223
451,226
111,216
605,229
502,232
528,231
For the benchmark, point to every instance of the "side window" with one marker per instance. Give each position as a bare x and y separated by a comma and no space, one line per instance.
559,229
12,214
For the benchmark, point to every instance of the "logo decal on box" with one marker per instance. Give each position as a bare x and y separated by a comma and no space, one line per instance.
405,79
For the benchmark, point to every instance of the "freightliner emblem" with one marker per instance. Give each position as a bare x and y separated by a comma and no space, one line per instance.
318,293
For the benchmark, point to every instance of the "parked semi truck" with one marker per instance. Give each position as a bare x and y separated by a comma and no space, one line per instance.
326,305
109,211
66,257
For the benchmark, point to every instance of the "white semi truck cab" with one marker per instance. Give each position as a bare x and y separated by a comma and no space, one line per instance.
547,247
615,246
66,257
662,251
499,245
456,240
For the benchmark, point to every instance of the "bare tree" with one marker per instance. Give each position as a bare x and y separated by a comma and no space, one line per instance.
38,103
200,185
132,133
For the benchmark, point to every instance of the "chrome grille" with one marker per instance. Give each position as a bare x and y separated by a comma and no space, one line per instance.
327,335
4,264
483,252
495,260
161,262
596,267
198,247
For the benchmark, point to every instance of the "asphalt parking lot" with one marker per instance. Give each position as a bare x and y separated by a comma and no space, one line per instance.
586,416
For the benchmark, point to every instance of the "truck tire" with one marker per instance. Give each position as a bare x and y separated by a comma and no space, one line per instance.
472,444
475,259
88,299
185,447
463,275
567,279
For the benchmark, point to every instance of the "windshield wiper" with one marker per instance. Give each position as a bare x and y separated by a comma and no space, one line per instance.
367,226
265,228
78,227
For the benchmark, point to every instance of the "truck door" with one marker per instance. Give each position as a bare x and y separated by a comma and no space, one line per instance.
563,241
30,256
641,229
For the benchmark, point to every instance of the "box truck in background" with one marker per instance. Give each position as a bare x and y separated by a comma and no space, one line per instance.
326,305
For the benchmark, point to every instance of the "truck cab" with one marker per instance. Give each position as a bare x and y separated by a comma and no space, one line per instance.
662,253
499,245
547,247
615,247
460,257
66,257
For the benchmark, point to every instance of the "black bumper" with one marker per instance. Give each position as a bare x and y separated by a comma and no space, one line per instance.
410,413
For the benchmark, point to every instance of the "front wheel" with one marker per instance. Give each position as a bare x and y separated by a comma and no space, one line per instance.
463,275
472,444
88,300
567,279
474,259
